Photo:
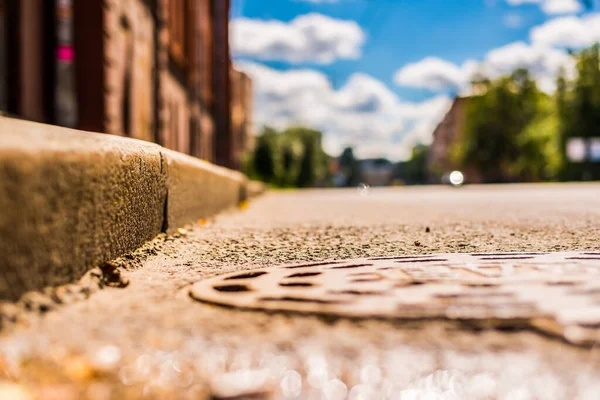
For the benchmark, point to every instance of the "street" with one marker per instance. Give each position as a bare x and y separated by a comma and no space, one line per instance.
150,337
299,200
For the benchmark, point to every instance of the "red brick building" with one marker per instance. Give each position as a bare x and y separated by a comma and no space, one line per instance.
446,135
448,131
156,70
241,116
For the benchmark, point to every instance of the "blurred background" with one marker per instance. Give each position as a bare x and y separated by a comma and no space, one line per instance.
327,93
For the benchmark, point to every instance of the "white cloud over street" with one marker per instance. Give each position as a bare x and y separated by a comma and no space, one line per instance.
363,111
544,56
312,37
571,32
431,73
544,62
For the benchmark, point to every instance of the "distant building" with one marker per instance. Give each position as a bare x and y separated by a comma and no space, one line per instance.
156,70
446,134
241,116
376,171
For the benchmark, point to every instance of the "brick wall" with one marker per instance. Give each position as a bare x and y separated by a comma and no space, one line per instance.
131,76
237,116
241,115
185,93
206,53
445,135
248,101
206,142
129,69
177,111
3,56
203,145
221,79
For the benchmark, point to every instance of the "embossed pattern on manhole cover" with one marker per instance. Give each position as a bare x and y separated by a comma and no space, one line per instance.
558,293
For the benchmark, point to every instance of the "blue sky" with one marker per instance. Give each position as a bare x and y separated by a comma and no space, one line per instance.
380,74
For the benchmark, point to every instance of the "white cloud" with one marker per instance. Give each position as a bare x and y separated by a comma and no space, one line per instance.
569,31
364,94
363,112
307,38
542,61
544,57
552,7
431,73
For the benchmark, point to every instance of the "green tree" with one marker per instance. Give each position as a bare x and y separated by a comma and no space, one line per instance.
264,157
564,117
586,104
539,156
293,157
495,121
350,167
415,169
578,103
287,160
307,175
310,165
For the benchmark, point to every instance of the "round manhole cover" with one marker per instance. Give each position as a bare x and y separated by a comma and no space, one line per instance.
556,292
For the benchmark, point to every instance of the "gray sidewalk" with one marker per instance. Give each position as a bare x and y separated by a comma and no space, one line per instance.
151,338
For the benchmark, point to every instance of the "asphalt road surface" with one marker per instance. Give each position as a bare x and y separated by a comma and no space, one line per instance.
150,339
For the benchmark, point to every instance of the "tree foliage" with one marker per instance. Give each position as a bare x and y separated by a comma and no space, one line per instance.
538,144
350,168
509,131
414,171
263,161
578,104
515,132
290,158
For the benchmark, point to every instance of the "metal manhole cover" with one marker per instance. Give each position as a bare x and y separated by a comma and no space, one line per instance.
558,293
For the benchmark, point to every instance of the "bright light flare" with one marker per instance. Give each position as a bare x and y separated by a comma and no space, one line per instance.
457,178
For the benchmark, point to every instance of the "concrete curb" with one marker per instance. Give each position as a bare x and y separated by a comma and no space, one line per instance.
255,189
70,200
198,189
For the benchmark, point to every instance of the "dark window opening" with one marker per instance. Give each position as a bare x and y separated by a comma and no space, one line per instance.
126,99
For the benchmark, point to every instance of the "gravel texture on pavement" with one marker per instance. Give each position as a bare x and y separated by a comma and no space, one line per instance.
131,330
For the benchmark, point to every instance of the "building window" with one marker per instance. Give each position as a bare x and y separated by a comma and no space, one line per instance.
177,31
127,78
